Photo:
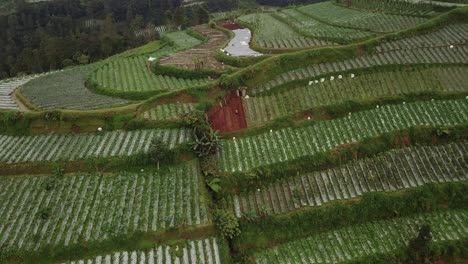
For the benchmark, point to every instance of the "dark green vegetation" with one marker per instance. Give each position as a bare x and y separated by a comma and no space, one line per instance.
354,152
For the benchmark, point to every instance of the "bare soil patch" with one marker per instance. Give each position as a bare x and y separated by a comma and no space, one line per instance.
228,115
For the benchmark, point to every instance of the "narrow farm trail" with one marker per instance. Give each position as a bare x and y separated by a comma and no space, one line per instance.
229,116
203,54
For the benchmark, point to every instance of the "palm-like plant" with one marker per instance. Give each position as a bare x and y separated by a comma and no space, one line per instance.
206,142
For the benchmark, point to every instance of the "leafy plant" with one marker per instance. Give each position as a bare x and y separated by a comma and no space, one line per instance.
159,151
206,142
227,223
214,185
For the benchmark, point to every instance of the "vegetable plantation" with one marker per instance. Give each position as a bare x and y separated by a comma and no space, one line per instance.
392,7
393,170
356,242
66,90
169,111
7,88
40,211
331,13
438,55
192,251
269,32
308,26
69,147
288,144
131,75
342,88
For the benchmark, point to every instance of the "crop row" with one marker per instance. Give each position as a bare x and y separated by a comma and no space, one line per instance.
352,243
59,211
393,170
313,28
6,91
436,55
193,251
268,30
169,111
292,143
454,34
68,147
131,74
66,90
284,43
360,19
392,7
339,88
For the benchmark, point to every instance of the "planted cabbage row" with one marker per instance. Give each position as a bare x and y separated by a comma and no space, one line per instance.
288,144
65,210
393,170
69,147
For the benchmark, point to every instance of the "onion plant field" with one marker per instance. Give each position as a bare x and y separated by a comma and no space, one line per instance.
270,32
316,72
40,211
337,15
337,89
355,242
66,90
393,170
288,144
192,251
166,112
68,147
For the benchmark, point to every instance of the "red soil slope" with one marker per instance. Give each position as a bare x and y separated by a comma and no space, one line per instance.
225,118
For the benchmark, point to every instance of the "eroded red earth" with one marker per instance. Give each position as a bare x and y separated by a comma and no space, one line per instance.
228,115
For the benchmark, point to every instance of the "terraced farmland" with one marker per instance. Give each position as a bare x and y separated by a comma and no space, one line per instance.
393,170
205,52
167,112
436,55
392,7
272,33
337,15
342,88
131,75
69,147
44,211
355,242
7,87
193,251
288,144
67,90
313,28
454,34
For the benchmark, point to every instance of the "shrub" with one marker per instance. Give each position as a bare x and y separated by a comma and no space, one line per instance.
227,223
